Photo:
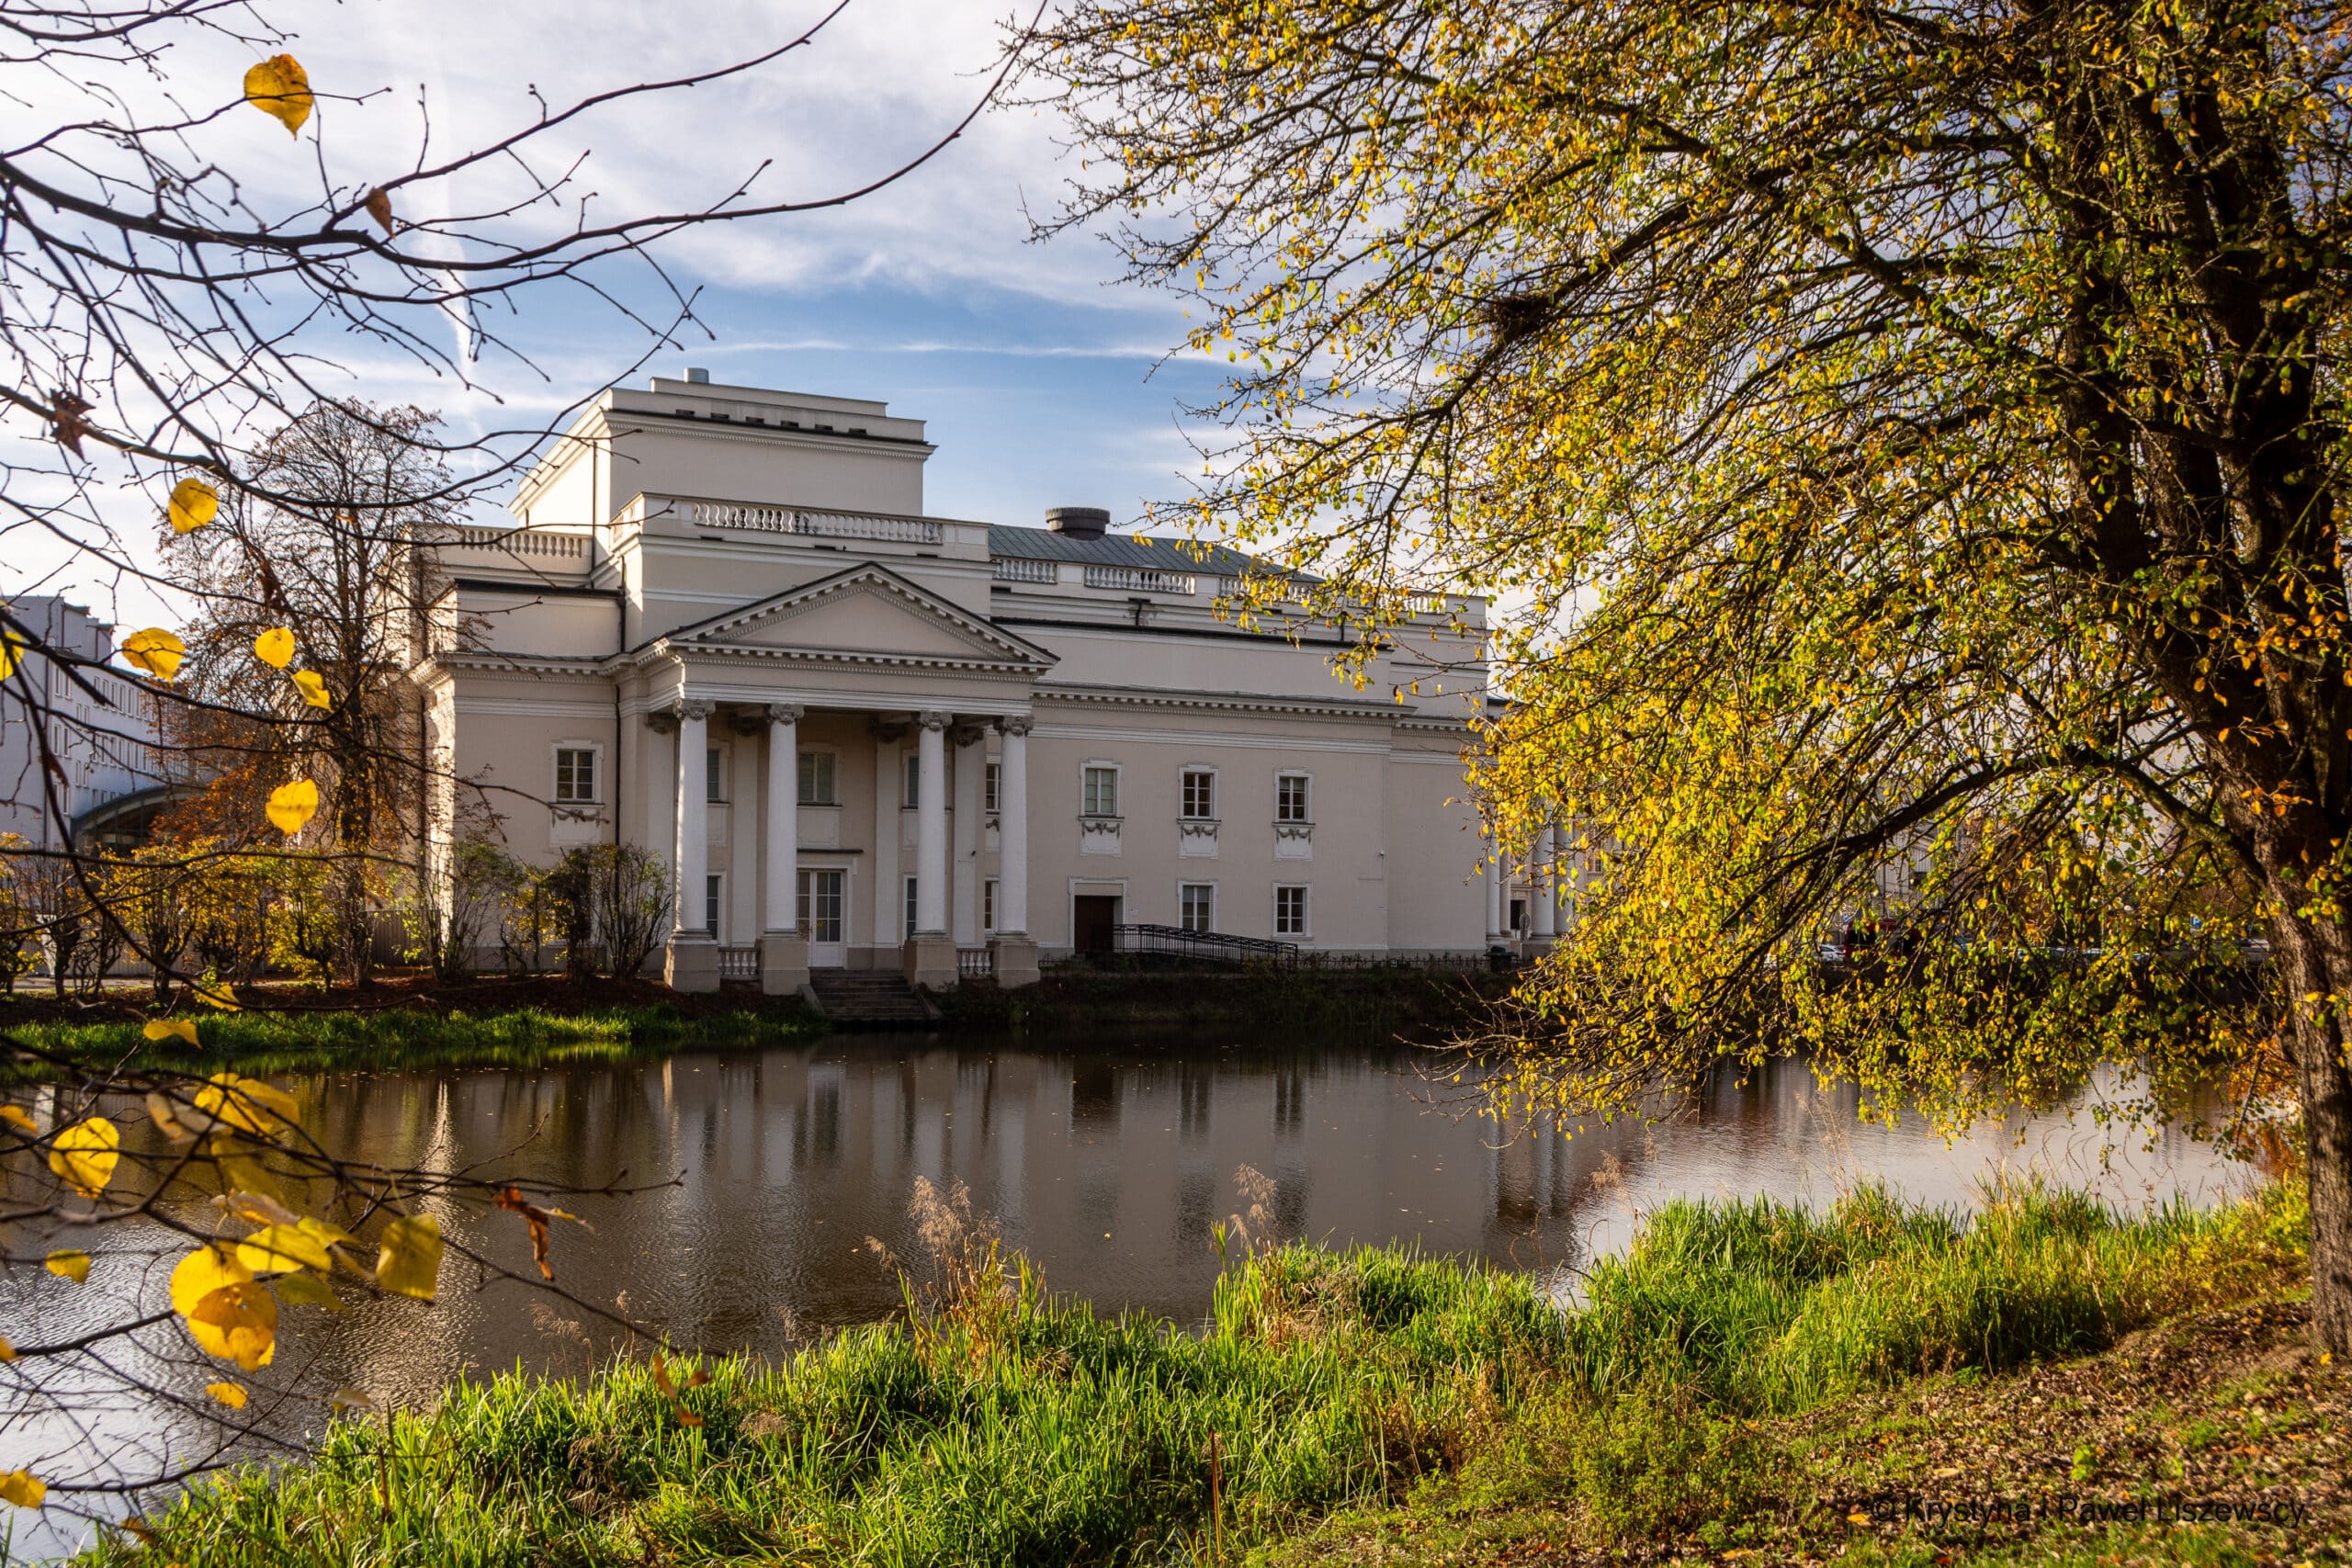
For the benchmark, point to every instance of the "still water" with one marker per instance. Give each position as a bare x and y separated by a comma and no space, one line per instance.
1106,1168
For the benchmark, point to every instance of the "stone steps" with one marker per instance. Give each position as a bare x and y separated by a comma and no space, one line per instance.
870,999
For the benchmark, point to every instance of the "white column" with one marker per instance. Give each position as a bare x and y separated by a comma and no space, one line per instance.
1542,912
971,760
780,898
889,898
693,820
1012,830
1562,853
930,824
1497,873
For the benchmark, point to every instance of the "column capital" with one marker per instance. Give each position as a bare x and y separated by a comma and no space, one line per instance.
935,718
785,713
698,708
1014,724
663,721
967,732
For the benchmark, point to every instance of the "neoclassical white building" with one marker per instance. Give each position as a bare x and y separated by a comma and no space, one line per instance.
863,737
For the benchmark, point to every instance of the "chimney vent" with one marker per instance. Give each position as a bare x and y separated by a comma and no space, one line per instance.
1078,522
698,376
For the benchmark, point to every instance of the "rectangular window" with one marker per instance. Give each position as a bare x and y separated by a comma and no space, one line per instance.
989,783
1291,803
911,907
1102,792
1196,906
913,796
1200,793
714,774
988,904
816,779
575,775
820,905
1290,911
710,902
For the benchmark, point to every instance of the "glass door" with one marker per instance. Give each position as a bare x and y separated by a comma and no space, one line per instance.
823,918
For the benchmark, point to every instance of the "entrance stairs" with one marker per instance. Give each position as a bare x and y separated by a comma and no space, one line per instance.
871,998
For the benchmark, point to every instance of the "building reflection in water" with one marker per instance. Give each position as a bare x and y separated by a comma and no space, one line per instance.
767,1172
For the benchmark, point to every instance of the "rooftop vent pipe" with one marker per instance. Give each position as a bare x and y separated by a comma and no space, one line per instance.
697,377
1078,522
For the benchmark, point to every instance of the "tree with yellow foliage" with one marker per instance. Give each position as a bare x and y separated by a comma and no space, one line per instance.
1908,442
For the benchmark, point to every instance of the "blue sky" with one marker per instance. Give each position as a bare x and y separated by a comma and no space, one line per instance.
1037,375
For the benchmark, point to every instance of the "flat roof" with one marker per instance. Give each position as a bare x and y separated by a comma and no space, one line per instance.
1115,549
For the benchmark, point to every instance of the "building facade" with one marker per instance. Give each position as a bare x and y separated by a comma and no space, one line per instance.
724,627
97,724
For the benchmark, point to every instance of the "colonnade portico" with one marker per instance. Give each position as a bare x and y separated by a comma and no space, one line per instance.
947,903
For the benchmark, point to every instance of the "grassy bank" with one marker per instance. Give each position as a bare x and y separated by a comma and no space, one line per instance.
414,1037
1722,1387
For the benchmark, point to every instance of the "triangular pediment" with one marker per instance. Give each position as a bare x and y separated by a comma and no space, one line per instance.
868,610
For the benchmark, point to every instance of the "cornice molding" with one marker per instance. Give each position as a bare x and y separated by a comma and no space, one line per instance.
1217,702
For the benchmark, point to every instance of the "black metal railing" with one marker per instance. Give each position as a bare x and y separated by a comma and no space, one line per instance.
1201,947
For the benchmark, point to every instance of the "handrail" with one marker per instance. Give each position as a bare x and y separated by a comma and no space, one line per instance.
804,520
520,541
1216,947
1139,579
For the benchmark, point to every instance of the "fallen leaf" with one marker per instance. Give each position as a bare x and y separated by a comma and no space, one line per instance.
281,88
351,1399
171,1029
83,1156
193,504
313,687
70,1263
156,651
227,1393
274,648
379,208
292,805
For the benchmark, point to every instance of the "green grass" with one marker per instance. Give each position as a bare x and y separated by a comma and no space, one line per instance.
1766,1309
398,1038
1368,1397
1043,1435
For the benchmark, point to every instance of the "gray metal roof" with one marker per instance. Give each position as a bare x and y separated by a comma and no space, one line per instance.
1165,554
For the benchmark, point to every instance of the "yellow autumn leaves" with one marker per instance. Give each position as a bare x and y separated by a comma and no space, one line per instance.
228,1292
281,88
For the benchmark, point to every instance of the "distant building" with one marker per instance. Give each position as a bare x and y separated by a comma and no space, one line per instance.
99,727
865,737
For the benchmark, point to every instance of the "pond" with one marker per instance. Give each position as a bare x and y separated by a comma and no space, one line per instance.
1106,1168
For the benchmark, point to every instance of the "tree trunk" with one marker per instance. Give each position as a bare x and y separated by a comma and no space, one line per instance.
2315,956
